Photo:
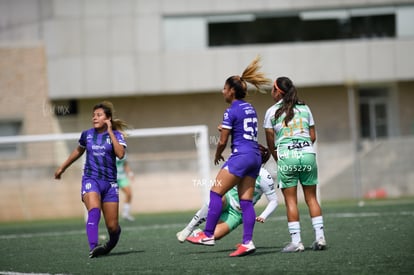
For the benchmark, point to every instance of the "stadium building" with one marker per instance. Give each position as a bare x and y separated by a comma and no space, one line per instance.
163,63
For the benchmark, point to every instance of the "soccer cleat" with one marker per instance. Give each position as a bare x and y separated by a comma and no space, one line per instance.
128,217
292,247
99,250
183,234
201,238
243,250
196,231
319,244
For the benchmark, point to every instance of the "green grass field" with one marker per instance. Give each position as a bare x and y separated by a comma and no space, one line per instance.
377,238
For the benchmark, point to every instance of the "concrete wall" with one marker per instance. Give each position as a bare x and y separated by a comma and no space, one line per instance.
92,50
26,179
23,86
108,48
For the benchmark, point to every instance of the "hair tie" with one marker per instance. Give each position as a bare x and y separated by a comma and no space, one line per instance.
277,88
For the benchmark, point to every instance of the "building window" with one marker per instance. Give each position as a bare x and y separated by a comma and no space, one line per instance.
10,128
304,27
64,107
374,106
204,31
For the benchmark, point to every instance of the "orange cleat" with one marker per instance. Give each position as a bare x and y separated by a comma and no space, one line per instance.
201,238
243,250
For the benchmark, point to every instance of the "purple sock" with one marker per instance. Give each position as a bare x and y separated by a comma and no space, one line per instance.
113,239
92,227
214,212
249,218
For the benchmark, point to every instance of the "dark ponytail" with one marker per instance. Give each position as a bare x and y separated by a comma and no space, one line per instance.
289,98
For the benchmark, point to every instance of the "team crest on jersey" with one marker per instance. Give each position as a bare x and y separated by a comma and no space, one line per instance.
88,186
108,140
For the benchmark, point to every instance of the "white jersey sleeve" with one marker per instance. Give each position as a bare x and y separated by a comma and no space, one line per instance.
311,121
268,187
270,113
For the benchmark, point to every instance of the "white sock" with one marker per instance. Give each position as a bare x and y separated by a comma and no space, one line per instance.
317,223
198,218
125,211
294,230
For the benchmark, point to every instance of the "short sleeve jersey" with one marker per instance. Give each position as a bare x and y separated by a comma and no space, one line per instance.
264,185
241,119
100,156
295,135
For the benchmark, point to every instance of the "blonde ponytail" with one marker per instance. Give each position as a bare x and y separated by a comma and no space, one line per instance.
250,75
253,76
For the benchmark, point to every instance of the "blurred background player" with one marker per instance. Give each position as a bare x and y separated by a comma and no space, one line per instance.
243,166
125,177
231,215
290,134
103,144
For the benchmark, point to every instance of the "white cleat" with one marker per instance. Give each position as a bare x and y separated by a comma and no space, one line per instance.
183,234
128,217
293,247
319,244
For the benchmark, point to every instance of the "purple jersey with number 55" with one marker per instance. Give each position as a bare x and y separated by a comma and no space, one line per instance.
241,120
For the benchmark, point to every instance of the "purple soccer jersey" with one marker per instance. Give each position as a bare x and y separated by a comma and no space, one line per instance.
245,160
241,119
100,156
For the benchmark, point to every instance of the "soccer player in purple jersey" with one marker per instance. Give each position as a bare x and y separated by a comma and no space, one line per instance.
102,143
243,165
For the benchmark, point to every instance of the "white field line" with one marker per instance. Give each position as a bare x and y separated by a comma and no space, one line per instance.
179,225
82,232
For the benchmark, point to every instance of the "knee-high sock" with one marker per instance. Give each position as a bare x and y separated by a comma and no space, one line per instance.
113,239
214,212
92,227
198,218
249,218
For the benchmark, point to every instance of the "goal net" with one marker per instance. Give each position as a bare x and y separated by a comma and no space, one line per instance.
171,167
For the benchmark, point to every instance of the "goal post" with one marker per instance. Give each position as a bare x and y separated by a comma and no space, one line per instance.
196,165
201,139
200,133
